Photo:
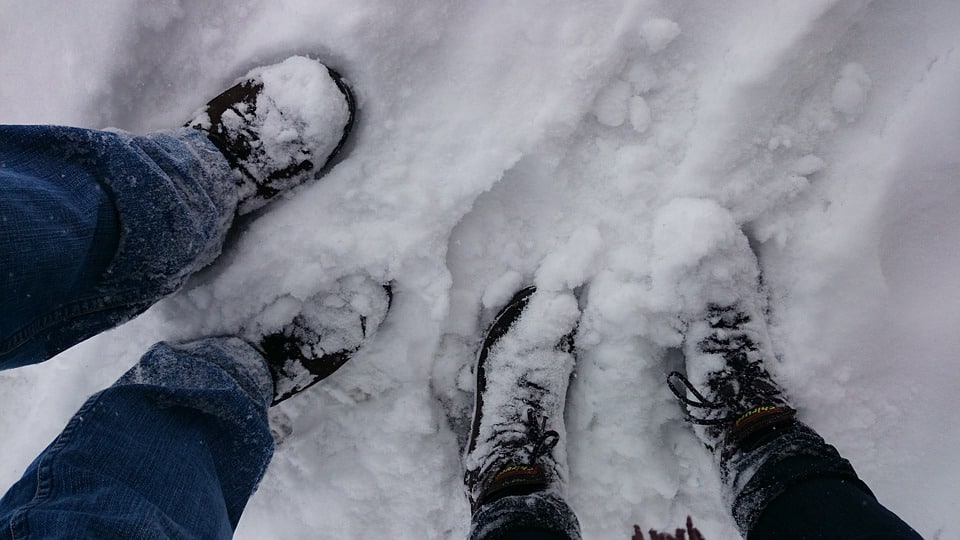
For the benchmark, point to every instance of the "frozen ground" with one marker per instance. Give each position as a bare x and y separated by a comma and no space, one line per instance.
508,142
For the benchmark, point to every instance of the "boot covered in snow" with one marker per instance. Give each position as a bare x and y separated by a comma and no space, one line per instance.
742,414
727,391
517,440
279,126
325,332
736,407
729,395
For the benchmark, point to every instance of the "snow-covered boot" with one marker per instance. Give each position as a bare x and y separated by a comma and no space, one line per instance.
279,126
325,332
517,440
728,392
704,261
740,412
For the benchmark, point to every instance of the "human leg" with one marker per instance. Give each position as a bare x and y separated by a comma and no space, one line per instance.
779,472
515,466
173,450
537,516
817,504
96,226
176,447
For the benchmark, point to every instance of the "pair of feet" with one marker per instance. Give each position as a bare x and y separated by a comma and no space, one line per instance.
516,445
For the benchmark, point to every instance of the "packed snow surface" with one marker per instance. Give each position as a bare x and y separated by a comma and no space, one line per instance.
572,145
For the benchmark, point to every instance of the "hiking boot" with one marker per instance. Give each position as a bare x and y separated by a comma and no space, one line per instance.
327,330
737,409
742,415
517,440
279,126
728,392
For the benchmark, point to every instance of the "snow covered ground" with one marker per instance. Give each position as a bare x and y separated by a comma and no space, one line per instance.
503,143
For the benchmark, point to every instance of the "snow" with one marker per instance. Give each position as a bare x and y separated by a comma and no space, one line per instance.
501,145
639,114
658,33
612,103
851,90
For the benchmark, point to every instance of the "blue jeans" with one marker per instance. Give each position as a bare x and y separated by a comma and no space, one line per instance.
172,450
95,227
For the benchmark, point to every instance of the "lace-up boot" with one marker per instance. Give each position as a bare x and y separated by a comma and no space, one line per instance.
741,413
743,416
516,444
736,407
279,126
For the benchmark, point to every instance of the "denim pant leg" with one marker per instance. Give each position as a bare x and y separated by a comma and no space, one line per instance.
543,515
96,226
173,450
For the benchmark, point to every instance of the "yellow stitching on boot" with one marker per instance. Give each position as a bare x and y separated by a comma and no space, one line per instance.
515,469
754,411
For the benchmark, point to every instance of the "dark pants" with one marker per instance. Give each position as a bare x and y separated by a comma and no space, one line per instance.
824,508
538,516
837,506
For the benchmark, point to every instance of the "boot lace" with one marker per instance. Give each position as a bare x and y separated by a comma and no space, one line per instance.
543,439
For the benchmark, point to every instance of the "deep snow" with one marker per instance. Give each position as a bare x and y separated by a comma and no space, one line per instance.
505,143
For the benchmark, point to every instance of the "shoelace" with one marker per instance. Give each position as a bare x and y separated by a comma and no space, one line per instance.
755,388
701,401
544,440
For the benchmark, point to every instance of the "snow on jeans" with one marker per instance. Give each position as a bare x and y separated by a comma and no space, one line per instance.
95,227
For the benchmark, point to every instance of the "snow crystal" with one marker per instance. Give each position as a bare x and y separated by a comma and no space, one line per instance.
300,106
700,256
573,264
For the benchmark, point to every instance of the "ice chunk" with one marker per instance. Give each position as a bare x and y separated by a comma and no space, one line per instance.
573,264
639,114
851,90
808,165
658,33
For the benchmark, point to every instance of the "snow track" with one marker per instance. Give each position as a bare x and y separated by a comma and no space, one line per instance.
542,142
